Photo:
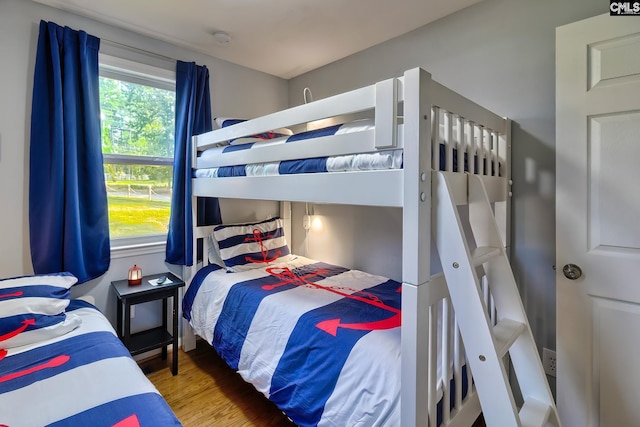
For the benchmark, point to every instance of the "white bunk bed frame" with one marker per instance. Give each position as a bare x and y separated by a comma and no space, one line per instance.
425,107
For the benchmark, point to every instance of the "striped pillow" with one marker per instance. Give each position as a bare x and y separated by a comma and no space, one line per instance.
32,308
247,246
223,122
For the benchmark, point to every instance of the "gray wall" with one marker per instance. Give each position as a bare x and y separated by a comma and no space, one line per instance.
231,87
500,54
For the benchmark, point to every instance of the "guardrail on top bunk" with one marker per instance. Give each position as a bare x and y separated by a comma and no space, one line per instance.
380,96
462,127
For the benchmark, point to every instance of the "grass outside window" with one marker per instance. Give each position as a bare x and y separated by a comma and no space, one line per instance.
129,217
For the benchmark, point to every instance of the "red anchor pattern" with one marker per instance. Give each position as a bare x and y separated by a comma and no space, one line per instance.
25,324
331,326
131,421
51,363
15,294
258,237
267,135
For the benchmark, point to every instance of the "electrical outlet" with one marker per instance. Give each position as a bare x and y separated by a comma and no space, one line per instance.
549,361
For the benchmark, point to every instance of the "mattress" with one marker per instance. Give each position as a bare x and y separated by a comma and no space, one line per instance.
379,160
389,159
321,341
85,377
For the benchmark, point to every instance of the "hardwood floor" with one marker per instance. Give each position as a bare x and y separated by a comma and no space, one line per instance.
206,392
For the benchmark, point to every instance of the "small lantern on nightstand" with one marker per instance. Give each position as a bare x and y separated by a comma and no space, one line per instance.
135,275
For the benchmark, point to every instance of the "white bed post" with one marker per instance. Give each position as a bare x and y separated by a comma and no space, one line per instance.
416,245
285,215
188,335
503,209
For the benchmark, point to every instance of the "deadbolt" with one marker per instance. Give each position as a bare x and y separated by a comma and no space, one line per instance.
572,271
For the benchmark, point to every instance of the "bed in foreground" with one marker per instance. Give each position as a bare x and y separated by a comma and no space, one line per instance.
70,368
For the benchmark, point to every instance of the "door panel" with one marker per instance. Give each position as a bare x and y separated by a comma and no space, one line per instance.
614,59
616,361
598,221
614,154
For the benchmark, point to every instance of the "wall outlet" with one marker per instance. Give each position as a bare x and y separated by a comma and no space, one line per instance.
306,222
549,361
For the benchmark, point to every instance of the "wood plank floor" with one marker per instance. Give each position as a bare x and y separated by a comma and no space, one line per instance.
206,392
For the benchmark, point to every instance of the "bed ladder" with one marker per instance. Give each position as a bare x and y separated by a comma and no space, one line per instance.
487,344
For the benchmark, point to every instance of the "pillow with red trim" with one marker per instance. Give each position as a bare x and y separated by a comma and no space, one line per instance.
223,122
32,308
252,245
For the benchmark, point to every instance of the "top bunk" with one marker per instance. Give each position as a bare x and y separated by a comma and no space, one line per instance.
382,140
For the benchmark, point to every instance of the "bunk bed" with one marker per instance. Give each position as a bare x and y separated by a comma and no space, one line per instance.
61,363
434,131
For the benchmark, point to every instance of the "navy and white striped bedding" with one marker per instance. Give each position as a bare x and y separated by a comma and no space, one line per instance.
380,160
85,377
32,308
321,341
352,162
391,159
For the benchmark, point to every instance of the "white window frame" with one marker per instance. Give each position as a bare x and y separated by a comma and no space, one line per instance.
140,73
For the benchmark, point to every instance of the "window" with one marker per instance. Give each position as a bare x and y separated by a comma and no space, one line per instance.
137,104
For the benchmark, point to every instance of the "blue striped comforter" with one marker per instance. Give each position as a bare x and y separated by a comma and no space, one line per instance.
320,341
83,378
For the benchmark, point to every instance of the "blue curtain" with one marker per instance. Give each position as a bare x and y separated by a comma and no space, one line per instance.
193,116
68,214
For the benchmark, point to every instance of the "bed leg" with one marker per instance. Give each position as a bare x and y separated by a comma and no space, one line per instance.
188,337
188,334
415,355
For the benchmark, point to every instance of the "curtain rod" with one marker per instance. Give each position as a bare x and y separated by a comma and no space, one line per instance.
136,49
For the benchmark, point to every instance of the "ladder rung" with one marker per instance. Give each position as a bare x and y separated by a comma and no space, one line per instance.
506,332
534,413
484,254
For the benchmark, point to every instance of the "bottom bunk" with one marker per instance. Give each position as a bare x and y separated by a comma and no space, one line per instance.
79,377
320,341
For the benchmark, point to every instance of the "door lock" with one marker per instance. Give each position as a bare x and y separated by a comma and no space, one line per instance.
572,271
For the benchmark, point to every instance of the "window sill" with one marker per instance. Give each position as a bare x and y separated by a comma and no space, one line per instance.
136,249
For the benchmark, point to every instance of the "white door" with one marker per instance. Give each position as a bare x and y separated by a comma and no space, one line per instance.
598,221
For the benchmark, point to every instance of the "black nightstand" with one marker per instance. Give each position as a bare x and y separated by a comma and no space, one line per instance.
150,339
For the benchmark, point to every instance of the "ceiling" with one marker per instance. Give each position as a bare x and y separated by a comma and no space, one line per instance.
284,38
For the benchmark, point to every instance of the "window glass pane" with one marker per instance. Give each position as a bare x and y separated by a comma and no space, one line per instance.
139,199
136,119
